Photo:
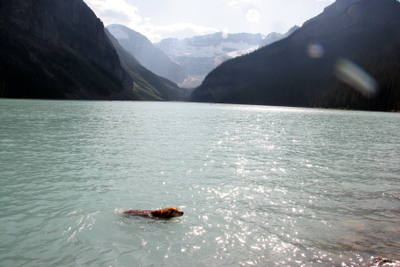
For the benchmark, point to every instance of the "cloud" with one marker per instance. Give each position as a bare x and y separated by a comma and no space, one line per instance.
248,9
240,3
179,30
121,12
115,11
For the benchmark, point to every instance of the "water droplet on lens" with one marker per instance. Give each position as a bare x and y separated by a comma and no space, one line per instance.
253,15
352,74
315,50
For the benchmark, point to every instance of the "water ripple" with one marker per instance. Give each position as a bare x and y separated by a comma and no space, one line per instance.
259,186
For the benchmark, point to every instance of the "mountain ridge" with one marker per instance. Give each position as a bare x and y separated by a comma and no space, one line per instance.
146,84
287,73
58,49
199,55
147,54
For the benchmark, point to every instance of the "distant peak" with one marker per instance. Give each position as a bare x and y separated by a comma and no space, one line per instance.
342,5
336,8
118,31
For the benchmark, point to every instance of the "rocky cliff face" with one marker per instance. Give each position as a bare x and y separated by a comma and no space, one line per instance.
147,54
60,48
357,39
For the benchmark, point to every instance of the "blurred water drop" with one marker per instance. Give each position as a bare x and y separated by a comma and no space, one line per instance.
315,50
352,74
253,15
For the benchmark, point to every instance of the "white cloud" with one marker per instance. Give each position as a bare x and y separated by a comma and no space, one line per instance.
180,30
232,3
240,3
182,18
121,12
115,11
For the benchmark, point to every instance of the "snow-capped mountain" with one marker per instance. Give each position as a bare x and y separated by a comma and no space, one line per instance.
199,55
346,57
187,62
274,36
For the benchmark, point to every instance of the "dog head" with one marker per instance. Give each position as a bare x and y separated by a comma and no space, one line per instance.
167,213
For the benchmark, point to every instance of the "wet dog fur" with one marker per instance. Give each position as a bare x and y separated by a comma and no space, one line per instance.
167,213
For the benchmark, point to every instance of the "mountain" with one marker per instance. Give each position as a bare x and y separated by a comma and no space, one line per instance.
57,49
274,36
346,57
201,54
146,84
147,54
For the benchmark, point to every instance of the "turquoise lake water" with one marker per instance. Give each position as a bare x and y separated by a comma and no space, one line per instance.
260,186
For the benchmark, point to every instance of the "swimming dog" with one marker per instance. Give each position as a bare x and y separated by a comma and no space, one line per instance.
167,213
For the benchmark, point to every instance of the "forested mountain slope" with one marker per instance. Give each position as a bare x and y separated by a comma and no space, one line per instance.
326,63
147,54
146,84
56,49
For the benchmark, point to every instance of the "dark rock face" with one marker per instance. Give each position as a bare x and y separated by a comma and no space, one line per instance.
299,70
59,49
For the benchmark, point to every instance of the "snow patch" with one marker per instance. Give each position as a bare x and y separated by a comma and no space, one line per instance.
118,33
185,48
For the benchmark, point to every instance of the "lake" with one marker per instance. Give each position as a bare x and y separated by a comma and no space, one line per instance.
259,185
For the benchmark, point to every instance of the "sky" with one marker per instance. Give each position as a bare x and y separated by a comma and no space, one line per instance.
158,19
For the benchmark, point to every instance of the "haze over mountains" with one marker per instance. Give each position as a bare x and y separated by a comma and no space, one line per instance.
147,54
188,61
275,36
55,49
347,57
199,55
146,84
